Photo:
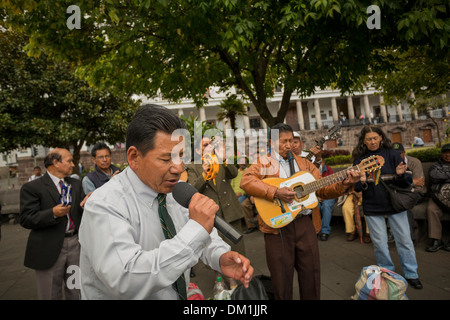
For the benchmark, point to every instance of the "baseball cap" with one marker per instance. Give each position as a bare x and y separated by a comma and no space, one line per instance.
398,146
445,147
296,134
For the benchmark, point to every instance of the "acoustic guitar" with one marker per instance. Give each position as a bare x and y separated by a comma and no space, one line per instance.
277,214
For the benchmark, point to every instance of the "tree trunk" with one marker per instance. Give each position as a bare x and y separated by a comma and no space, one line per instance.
76,153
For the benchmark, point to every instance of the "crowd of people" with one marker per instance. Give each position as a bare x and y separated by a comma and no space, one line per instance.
132,239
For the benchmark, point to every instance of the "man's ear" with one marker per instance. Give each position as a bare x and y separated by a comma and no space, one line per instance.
133,156
56,163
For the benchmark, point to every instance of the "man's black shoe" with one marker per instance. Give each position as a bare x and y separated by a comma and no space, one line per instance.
324,236
415,283
435,246
447,246
250,230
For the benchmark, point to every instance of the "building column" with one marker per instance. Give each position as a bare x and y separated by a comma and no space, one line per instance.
317,112
180,112
351,111
383,109
334,110
202,114
399,111
301,122
367,108
246,122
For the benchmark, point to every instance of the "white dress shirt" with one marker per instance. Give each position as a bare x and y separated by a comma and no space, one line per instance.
285,171
56,181
124,254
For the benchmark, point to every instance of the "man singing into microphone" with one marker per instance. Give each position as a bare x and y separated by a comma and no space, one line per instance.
136,241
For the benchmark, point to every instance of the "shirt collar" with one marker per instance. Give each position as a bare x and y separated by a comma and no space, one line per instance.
142,190
54,178
278,157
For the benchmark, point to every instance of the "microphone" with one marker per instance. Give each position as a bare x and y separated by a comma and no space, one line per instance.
291,162
183,192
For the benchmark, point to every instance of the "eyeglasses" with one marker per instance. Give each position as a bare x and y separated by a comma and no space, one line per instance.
103,157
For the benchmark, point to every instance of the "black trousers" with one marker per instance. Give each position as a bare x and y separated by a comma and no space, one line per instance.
294,247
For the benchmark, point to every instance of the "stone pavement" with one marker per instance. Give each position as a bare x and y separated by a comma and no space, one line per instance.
341,264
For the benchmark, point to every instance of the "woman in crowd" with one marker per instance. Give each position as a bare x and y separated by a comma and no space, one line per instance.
377,205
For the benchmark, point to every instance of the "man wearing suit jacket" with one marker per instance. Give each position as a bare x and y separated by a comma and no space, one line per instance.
53,241
220,190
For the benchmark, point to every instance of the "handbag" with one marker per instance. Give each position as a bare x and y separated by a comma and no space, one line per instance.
402,199
376,283
442,196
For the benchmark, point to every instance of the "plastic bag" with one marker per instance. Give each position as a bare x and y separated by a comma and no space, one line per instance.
376,283
260,288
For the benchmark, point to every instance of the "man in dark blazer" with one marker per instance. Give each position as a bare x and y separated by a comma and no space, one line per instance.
53,241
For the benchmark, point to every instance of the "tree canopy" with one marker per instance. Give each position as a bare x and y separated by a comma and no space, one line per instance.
42,102
413,71
181,47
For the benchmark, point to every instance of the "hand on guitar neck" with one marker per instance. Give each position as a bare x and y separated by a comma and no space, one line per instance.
353,176
287,195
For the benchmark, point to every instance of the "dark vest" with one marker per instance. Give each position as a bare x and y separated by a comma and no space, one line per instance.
98,177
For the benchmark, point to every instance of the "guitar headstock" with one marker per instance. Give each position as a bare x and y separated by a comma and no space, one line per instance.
371,163
333,133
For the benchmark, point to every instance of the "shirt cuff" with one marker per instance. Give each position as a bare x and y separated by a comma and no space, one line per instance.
195,236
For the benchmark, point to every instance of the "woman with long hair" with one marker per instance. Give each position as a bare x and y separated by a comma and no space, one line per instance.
377,205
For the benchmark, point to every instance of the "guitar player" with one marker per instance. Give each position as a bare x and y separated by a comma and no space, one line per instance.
294,245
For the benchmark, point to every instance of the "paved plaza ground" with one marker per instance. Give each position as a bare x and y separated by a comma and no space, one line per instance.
341,264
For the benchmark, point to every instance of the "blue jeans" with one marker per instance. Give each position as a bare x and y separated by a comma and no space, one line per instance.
326,207
400,229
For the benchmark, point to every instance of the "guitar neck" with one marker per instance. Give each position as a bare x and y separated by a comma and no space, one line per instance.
324,182
310,154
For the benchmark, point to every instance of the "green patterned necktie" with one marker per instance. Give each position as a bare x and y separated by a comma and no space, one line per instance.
169,232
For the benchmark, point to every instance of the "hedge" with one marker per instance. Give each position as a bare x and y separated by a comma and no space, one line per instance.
427,155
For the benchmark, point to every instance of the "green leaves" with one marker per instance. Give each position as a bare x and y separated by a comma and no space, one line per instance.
178,48
430,22
43,102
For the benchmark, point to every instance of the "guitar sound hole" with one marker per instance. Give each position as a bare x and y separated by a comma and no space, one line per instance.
299,190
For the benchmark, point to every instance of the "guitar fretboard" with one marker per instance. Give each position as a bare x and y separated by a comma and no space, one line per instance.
323,182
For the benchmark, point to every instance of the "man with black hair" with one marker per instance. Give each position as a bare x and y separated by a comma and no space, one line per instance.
294,246
103,169
136,241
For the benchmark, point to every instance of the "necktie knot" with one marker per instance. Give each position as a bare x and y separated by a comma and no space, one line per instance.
161,199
